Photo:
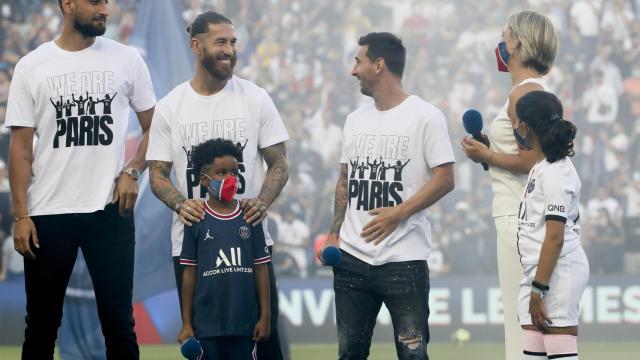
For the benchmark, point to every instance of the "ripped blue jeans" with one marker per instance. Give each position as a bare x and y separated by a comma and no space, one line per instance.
361,289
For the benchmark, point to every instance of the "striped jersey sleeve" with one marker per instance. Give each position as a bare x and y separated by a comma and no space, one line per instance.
189,254
261,254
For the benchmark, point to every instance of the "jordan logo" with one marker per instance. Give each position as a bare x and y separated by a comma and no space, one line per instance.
208,236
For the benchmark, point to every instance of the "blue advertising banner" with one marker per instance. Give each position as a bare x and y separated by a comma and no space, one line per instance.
610,310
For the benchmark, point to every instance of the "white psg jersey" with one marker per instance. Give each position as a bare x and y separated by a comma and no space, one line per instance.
552,193
241,112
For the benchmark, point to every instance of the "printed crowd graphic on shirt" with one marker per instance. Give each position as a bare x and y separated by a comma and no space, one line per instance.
523,206
197,133
375,179
83,108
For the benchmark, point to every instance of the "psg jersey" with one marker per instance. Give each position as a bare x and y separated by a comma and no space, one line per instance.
224,249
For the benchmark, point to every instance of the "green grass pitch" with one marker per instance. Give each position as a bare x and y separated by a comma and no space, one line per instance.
437,351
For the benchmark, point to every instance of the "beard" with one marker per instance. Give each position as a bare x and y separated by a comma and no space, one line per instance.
209,63
364,89
88,29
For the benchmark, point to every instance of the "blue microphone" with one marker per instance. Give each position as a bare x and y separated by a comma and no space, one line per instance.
331,256
191,349
472,122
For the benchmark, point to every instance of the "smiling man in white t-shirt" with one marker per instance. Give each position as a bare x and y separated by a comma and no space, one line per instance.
401,146
217,104
72,189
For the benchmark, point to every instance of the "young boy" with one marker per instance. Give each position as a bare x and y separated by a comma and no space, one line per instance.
225,289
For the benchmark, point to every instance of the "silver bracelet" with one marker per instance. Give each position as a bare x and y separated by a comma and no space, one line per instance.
538,291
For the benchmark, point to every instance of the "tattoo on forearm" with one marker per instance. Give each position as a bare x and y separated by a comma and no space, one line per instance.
160,179
340,202
277,172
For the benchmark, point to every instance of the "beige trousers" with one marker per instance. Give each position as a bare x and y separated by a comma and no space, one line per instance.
509,274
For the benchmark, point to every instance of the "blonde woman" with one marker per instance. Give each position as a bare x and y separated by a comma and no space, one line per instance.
527,52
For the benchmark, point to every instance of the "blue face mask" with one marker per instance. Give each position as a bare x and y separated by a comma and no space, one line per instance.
224,189
502,56
521,140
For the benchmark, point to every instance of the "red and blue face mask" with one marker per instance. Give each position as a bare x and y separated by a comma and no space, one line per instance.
502,56
223,190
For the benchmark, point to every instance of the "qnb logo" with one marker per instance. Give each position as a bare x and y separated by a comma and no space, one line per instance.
233,259
555,208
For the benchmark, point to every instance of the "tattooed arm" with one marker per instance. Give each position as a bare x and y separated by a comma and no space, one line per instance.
340,202
339,210
277,175
190,210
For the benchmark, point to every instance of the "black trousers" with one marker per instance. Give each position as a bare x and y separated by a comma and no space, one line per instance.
270,349
107,241
361,289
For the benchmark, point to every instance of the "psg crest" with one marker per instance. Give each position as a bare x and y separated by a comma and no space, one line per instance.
244,232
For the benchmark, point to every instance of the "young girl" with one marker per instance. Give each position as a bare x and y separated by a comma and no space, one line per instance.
555,266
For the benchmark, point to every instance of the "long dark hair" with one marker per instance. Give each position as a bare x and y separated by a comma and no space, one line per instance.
542,112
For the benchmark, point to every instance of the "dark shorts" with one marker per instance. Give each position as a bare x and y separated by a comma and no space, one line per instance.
228,348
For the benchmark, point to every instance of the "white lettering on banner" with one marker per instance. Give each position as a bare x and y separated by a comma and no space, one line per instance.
469,316
608,306
318,310
439,306
494,306
604,305
586,307
611,305
631,300
291,307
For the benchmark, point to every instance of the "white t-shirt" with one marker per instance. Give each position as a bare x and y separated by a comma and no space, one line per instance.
78,102
241,112
552,193
507,186
389,156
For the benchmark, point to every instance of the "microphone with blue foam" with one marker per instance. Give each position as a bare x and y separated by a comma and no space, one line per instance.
191,349
472,122
331,256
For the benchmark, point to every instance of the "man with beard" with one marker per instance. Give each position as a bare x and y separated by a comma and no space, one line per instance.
385,244
73,189
217,104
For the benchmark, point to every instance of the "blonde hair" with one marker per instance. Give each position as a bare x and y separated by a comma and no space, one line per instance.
538,40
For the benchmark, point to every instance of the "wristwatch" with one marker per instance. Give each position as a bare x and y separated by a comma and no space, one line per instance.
178,206
133,172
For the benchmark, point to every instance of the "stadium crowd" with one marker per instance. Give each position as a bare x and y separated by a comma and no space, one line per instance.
301,52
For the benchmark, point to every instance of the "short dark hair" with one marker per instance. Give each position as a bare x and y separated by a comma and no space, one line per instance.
542,112
387,46
201,24
204,153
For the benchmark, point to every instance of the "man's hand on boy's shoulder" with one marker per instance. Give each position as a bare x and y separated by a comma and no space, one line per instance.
191,211
262,330
254,210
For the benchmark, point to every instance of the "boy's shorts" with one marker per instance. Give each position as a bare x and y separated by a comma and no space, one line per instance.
567,283
229,348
